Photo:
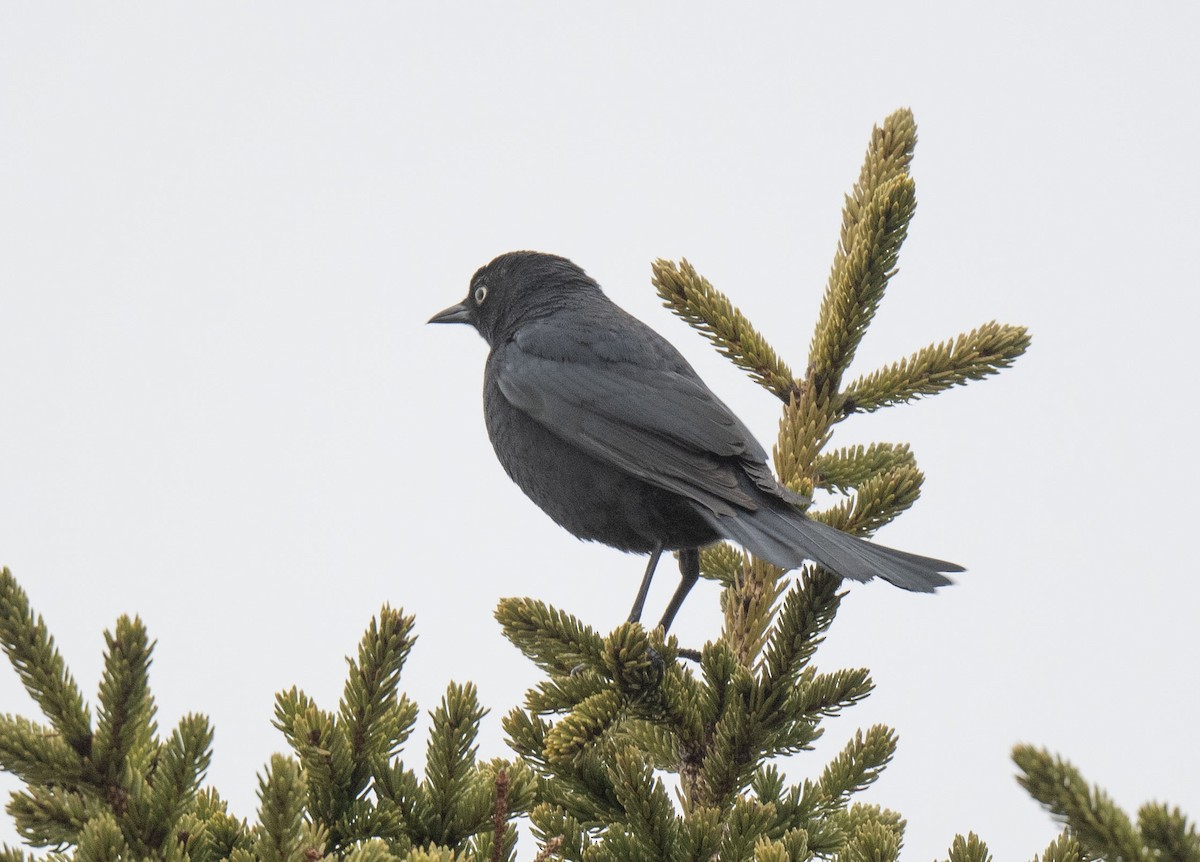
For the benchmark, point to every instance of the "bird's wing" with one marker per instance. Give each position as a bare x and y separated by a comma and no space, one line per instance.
654,420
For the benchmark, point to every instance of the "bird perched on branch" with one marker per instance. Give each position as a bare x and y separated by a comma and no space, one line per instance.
605,426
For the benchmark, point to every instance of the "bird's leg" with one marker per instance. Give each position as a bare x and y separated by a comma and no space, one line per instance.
689,571
639,601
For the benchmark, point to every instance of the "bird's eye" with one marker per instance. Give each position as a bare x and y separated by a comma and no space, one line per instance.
480,294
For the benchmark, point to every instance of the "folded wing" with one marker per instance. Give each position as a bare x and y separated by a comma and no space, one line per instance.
663,426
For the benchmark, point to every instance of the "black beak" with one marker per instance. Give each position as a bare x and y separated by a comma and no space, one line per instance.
454,314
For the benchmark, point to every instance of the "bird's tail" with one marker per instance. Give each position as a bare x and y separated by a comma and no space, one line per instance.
782,535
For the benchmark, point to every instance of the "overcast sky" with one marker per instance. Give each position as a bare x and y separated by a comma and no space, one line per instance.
223,226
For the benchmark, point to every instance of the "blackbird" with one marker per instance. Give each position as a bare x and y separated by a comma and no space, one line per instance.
605,426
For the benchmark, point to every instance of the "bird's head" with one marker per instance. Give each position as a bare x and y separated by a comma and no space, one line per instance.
517,287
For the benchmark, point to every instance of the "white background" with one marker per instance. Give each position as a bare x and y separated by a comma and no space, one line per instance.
223,226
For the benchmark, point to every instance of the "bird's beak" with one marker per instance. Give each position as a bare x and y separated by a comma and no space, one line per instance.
454,314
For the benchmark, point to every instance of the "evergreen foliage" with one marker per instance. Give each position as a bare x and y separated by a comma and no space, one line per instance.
1097,828
624,751
115,789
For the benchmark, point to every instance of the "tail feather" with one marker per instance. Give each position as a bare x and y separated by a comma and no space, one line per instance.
787,538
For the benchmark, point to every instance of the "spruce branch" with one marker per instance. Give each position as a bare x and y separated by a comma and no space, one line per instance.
551,823
721,562
766,850
805,616
450,761
719,665
875,224
31,650
583,787
323,752
795,845
700,833
318,744
969,849
1064,848
1095,827
557,642
207,832
974,355
804,430
37,754
633,664
748,603
824,695
858,816
552,847
648,811
590,720
872,842
889,155
848,468
281,793
101,840
47,816
677,707
660,744
399,794
125,721
291,707
857,767
875,221
879,501
1101,828
767,784
1168,834
689,295
526,732
826,837
788,733
180,768
375,718
746,823
738,743
562,693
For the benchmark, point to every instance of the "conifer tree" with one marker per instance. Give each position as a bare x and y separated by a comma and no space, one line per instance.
617,712
614,714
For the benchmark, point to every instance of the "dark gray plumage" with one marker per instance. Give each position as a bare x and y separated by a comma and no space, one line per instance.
605,426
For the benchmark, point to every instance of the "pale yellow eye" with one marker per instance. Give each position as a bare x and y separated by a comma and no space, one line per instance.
480,294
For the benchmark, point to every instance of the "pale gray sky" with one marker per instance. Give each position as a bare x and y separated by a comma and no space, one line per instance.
222,227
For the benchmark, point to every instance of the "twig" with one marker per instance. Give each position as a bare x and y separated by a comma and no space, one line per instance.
500,816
